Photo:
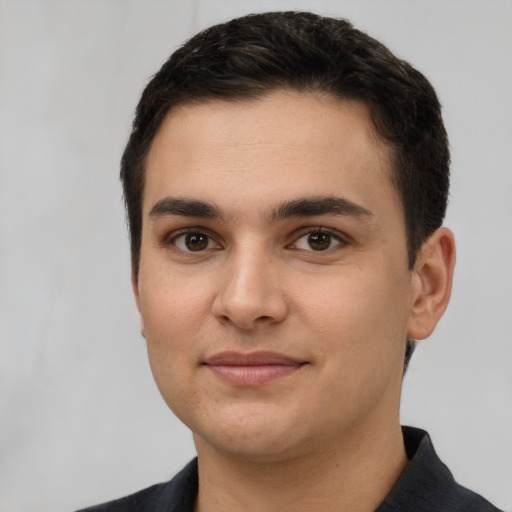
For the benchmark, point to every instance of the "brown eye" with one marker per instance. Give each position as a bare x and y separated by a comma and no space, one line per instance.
319,241
196,242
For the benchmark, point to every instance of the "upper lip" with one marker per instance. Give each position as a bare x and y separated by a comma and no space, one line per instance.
251,359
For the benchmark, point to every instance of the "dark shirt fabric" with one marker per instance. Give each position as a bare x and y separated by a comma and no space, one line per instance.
426,485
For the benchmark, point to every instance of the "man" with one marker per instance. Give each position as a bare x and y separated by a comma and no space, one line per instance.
285,181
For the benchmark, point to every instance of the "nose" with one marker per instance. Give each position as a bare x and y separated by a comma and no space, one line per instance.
249,293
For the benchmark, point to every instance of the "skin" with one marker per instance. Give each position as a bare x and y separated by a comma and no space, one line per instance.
257,281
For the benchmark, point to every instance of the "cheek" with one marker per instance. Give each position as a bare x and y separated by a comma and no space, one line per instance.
360,316
174,312
361,337
171,324
172,306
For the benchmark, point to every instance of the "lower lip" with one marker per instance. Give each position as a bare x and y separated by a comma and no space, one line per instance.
252,375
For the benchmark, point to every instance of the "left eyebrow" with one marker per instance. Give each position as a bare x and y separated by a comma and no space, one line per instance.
311,206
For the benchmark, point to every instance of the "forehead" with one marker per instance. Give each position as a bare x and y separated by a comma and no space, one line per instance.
281,145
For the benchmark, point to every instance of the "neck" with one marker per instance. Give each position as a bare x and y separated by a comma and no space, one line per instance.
355,474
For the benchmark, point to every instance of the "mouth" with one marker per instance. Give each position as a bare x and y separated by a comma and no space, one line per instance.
253,369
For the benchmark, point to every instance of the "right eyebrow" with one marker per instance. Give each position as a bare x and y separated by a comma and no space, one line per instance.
185,208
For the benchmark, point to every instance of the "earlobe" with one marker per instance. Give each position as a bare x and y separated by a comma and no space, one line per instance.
432,283
136,294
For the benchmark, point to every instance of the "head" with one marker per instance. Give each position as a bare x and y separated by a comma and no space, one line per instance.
248,57
284,181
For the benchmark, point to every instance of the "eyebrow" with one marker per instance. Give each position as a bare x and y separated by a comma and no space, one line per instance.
185,208
311,206
302,207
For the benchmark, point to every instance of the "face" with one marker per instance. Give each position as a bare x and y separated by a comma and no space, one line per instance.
274,289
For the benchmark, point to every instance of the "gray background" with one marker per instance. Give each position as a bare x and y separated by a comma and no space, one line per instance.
80,418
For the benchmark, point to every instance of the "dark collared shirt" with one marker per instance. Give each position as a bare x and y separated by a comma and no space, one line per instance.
426,485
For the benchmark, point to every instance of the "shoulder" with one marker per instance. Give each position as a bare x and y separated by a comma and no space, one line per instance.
427,485
473,502
177,495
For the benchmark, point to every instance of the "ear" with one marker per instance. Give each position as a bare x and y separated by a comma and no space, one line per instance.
432,283
136,294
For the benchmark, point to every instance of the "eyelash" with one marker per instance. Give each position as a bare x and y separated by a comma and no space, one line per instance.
310,230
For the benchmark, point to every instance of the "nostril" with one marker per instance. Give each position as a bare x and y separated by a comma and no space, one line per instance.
223,318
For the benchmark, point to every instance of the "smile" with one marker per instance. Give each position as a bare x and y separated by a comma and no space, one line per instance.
253,369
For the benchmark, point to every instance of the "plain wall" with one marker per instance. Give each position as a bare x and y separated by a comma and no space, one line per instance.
81,420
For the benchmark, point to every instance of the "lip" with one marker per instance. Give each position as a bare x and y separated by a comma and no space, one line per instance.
252,369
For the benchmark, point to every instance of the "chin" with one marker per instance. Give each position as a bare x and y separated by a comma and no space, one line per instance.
256,435
254,448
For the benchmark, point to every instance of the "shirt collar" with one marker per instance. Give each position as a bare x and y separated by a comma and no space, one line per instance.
426,484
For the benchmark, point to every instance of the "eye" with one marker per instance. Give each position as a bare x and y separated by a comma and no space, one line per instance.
317,241
193,242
